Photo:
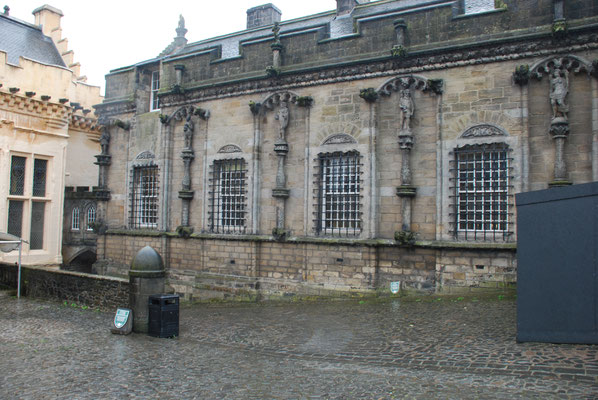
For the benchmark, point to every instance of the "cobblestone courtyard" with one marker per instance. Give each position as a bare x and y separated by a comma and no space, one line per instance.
445,348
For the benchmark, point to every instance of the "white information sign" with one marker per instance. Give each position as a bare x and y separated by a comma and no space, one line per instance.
395,287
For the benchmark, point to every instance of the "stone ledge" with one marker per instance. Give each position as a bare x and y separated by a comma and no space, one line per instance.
432,244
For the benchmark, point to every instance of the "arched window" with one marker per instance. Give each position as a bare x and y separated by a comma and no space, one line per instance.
91,217
75,220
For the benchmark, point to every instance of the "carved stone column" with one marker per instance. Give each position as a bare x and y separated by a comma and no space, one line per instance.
276,47
186,194
103,161
280,192
559,130
406,191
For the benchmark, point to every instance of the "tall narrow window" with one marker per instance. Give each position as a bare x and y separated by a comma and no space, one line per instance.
154,101
91,217
75,220
227,202
482,191
39,177
339,200
15,217
144,197
38,211
17,176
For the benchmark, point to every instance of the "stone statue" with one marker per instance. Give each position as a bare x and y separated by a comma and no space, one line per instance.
181,22
105,141
559,88
283,118
406,106
188,132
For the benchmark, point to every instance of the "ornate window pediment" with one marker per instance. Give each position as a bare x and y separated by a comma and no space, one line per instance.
483,130
340,138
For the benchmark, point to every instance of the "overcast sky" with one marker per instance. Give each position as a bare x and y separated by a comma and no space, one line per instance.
109,34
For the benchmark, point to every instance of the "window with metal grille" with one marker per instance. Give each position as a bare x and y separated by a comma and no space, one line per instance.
339,185
482,199
227,196
154,100
91,217
75,219
144,197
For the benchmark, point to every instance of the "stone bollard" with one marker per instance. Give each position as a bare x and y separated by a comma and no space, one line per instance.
146,278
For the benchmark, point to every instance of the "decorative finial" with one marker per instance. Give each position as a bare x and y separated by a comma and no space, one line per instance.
181,21
6,10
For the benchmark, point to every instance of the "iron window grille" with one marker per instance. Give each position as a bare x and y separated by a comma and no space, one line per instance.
227,208
482,192
91,217
144,197
75,220
154,100
338,194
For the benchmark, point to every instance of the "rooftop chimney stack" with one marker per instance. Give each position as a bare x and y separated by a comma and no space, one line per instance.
48,18
264,15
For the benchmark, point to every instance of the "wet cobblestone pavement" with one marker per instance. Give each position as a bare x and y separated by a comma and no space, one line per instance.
389,350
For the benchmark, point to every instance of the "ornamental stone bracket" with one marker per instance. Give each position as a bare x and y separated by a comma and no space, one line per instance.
558,70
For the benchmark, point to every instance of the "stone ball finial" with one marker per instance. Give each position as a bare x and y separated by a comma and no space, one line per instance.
147,262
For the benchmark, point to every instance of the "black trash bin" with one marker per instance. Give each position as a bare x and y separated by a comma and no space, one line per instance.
163,315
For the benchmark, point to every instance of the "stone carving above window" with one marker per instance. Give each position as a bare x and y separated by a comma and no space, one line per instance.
340,138
415,82
277,98
230,148
570,63
483,130
146,155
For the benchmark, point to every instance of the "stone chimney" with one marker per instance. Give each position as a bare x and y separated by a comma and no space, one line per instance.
48,18
346,6
263,15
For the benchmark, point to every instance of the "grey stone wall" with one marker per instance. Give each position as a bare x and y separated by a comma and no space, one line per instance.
103,292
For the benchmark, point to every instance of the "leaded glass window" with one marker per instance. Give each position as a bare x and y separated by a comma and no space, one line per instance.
17,176
36,239
15,217
39,177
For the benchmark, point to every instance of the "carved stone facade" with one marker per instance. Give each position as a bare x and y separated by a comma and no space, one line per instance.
341,163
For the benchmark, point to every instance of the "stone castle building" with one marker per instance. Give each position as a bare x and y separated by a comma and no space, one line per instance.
378,142
48,135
